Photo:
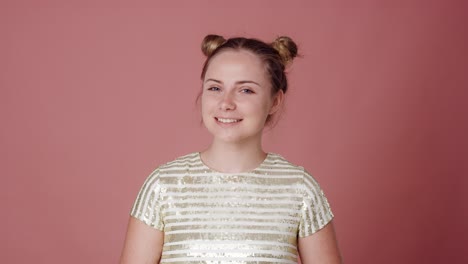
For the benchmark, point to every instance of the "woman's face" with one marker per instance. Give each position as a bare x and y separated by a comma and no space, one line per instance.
237,97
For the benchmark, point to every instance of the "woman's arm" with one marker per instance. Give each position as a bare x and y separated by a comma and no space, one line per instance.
143,244
320,247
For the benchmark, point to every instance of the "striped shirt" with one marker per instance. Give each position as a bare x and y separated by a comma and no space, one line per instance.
214,217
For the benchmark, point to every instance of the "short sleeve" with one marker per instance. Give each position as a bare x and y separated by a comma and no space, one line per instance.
316,212
147,206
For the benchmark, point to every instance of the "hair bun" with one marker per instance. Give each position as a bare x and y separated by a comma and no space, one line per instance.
286,48
211,43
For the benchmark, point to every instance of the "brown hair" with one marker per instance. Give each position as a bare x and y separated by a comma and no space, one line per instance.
276,56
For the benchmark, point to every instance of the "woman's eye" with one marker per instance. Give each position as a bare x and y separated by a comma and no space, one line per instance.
248,91
214,88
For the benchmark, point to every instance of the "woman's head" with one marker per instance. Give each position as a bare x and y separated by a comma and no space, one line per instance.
273,59
275,56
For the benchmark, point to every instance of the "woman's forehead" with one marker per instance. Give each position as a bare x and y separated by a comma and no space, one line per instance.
239,63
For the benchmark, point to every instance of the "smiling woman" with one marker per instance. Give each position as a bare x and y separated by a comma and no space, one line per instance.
233,202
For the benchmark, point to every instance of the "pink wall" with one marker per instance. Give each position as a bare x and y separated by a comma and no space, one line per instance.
93,98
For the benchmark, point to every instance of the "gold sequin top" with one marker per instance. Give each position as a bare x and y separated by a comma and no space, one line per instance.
213,217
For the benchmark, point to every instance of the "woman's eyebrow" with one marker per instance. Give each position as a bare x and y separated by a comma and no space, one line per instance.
244,82
238,82
213,80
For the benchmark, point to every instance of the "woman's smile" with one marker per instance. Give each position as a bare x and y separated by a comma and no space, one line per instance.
227,120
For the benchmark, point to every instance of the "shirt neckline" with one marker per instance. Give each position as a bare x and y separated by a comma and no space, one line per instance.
206,167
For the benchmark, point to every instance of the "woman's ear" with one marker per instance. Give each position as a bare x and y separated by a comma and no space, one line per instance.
277,102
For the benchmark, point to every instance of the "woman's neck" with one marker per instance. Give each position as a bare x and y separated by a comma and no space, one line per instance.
232,158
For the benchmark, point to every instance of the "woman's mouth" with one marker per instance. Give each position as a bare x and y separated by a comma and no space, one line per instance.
227,120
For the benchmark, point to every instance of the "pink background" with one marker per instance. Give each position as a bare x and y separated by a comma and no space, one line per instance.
94,97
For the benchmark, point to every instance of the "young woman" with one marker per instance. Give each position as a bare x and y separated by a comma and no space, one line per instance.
233,202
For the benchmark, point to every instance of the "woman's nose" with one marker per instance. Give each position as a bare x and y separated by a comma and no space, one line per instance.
227,102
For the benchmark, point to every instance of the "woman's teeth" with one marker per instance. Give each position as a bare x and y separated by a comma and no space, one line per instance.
228,120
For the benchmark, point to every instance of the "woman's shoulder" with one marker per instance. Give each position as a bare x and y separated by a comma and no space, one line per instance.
176,165
280,162
184,161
